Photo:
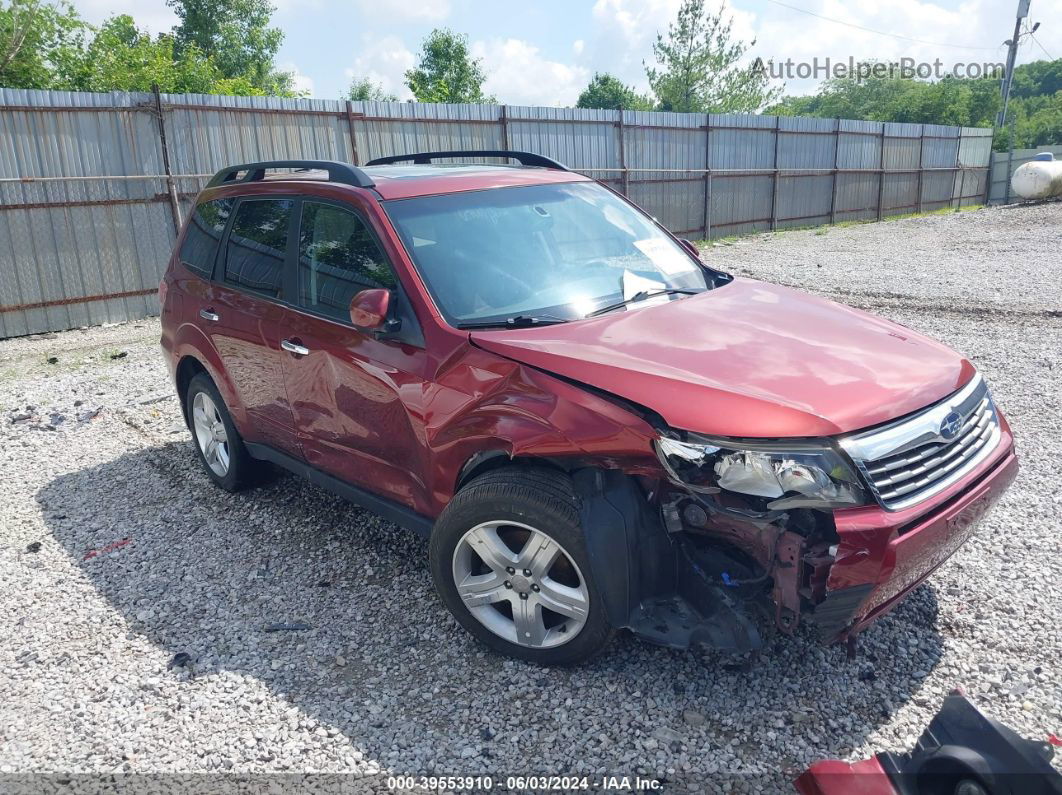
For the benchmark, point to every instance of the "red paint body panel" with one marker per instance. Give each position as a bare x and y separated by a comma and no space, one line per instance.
834,777
897,550
356,403
428,181
748,359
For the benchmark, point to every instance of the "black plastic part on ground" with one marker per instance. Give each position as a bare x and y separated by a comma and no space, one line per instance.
966,753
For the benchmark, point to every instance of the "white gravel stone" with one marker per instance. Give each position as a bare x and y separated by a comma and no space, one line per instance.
141,559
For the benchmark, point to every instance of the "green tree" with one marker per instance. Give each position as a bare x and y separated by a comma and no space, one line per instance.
236,36
447,72
36,39
1037,121
871,98
122,58
1034,117
607,91
697,67
365,89
1038,78
47,45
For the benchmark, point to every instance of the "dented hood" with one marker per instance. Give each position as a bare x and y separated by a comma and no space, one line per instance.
747,359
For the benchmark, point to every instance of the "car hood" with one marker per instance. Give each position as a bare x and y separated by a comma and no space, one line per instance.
747,359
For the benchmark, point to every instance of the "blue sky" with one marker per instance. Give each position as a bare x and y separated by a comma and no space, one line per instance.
544,52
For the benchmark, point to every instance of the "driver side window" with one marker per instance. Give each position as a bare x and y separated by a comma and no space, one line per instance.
338,258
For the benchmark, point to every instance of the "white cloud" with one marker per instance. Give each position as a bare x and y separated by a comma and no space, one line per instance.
578,46
518,74
405,10
154,15
384,61
821,38
624,31
302,82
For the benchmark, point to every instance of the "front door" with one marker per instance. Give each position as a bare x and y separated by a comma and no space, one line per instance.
355,396
243,316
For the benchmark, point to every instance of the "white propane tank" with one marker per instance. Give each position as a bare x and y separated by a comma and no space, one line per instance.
1041,178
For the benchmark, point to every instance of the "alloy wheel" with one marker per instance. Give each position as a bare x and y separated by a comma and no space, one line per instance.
520,584
210,433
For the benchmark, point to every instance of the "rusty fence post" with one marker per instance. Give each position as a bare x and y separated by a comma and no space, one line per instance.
774,182
625,175
988,175
1010,167
171,184
881,174
921,167
503,122
836,165
353,136
706,218
957,200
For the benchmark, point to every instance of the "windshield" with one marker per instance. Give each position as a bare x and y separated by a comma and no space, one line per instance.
555,252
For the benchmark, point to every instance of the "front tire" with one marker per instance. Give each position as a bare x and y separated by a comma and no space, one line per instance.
217,442
509,560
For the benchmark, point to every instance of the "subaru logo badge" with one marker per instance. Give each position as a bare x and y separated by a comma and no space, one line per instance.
951,425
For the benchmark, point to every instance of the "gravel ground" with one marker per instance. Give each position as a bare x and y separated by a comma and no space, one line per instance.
138,596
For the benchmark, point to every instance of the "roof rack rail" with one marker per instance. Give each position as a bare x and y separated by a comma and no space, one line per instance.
343,173
424,158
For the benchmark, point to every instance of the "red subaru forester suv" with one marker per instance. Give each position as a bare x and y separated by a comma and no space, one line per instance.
594,429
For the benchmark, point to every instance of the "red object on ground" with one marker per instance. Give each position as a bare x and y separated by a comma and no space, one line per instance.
834,777
94,553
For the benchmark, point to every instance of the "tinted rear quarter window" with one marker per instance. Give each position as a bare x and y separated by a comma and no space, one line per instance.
257,245
205,227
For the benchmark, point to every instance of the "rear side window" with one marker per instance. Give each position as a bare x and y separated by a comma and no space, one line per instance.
338,257
257,245
200,245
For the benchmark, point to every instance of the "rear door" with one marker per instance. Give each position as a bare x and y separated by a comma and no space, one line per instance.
244,317
355,394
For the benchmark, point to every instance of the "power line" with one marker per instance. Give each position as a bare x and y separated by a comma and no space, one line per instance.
1038,44
880,32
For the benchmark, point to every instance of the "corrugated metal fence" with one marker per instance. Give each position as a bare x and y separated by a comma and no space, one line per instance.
92,185
1003,166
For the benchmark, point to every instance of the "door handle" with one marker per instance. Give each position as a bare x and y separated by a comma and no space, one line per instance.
293,347
209,314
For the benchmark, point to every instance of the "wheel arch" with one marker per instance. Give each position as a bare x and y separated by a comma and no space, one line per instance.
195,353
629,554
187,368
484,461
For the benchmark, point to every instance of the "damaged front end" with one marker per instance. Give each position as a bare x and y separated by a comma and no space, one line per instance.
727,536
699,568
704,539
766,505
738,532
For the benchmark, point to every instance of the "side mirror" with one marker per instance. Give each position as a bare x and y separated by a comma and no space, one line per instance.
690,247
368,309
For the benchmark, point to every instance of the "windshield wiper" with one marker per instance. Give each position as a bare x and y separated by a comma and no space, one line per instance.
641,296
517,321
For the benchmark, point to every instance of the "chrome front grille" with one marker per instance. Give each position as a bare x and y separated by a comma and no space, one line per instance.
911,460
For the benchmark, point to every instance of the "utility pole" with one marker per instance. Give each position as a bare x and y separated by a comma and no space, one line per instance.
1012,54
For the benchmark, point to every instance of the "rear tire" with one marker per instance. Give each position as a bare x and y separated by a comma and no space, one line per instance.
509,560
217,442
